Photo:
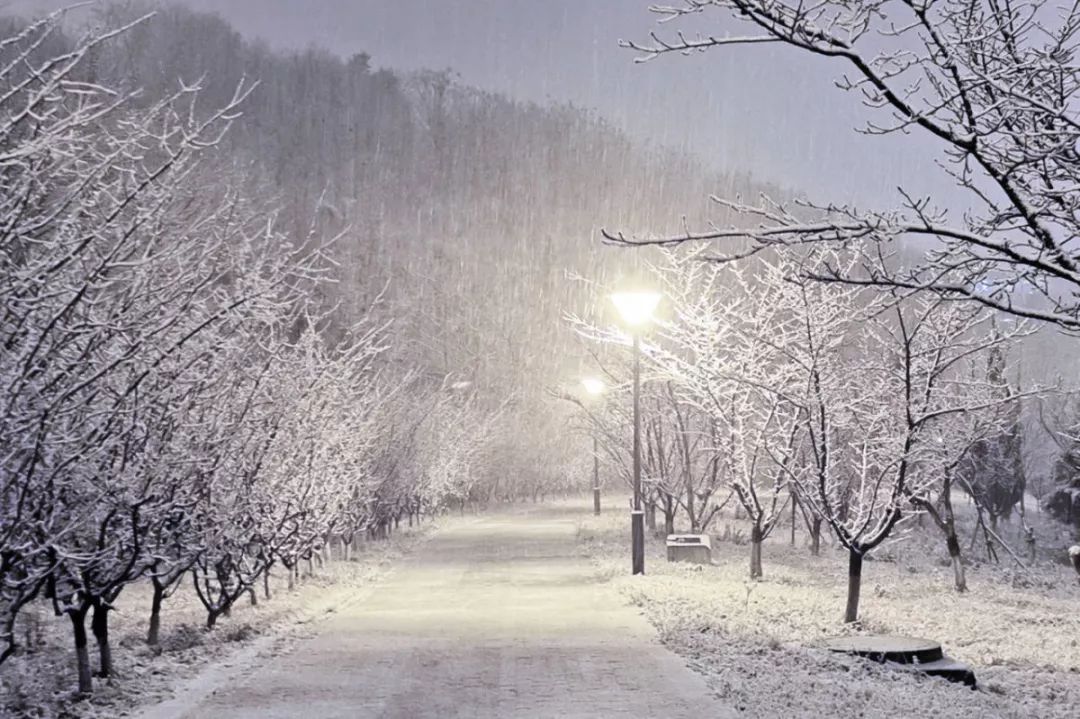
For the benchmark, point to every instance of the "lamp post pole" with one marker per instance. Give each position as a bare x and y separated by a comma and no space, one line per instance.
596,475
637,310
595,388
637,515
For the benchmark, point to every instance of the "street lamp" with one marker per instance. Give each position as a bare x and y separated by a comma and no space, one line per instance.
636,309
595,388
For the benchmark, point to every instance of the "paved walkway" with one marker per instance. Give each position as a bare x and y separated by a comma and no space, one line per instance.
496,618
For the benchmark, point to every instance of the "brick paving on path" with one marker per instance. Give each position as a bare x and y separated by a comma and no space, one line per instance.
500,617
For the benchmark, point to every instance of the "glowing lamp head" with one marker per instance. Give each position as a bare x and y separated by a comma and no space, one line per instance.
636,308
593,386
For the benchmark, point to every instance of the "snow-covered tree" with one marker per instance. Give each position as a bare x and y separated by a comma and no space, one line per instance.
731,350
992,471
993,84
857,400
878,407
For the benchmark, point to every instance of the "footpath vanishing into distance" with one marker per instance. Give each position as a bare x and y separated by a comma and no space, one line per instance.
500,617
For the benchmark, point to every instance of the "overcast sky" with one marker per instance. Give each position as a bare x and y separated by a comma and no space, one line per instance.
764,109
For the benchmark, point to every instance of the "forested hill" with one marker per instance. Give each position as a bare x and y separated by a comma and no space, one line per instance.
472,205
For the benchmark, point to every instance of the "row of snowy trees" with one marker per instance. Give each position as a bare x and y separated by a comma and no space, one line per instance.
993,87
766,388
171,405
461,195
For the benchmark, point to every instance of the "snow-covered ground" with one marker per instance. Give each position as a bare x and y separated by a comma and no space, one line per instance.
191,662
755,641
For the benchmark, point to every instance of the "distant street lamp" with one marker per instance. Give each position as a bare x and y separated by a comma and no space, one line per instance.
595,388
636,309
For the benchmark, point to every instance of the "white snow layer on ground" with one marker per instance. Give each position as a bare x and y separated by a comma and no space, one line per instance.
754,641
191,662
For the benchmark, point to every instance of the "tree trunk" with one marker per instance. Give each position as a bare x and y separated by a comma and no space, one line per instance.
82,654
253,596
31,626
266,583
346,548
855,560
99,624
815,537
755,552
153,635
794,506
669,522
291,574
690,509
957,564
650,517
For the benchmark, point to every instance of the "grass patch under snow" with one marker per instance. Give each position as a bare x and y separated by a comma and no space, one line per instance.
756,641
40,683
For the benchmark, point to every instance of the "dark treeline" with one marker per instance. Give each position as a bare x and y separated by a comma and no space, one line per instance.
472,205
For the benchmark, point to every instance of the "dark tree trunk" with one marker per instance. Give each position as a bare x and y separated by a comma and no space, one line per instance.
690,510
153,635
82,653
100,626
31,629
794,506
957,564
815,536
669,521
755,552
266,583
855,561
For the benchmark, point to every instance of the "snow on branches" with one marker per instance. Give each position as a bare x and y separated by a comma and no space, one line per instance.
855,402
994,83
171,404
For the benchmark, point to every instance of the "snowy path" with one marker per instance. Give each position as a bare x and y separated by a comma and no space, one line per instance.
496,618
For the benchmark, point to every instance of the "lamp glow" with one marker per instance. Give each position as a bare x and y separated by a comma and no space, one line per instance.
636,308
593,386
